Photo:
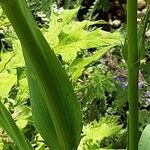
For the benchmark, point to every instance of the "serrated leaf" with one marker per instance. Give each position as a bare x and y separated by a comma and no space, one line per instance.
96,131
11,60
81,39
84,62
57,22
105,128
67,38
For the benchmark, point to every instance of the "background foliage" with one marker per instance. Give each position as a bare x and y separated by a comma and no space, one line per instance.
93,60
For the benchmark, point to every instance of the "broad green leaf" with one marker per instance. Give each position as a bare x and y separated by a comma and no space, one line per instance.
144,119
8,64
144,143
55,109
8,124
95,132
11,60
57,22
67,37
81,39
79,67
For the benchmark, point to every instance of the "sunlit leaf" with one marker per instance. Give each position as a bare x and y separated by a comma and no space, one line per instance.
96,131
6,82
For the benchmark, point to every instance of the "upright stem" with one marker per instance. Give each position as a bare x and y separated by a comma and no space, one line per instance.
132,74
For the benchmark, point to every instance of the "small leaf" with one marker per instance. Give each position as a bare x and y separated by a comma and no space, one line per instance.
80,39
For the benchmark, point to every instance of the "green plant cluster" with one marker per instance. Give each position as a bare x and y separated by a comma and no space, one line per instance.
80,50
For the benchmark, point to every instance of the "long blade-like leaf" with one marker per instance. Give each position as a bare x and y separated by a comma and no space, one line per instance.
55,109
8,124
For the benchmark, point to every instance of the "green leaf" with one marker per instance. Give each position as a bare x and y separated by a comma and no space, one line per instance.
7,80
144,143
8,64
57,22
11,60
77,40
67,37
8,124
79,67
79,25
144,119
95,132
55,109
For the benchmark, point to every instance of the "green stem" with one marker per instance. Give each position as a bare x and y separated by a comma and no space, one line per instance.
132,74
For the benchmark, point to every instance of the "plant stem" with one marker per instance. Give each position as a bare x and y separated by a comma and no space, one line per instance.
132,74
